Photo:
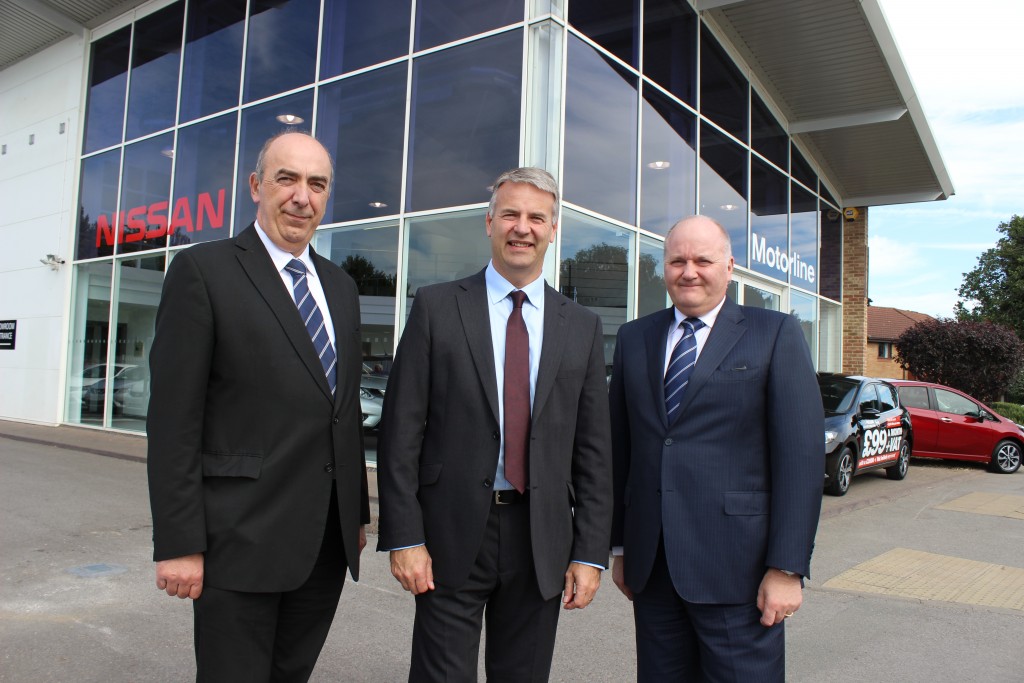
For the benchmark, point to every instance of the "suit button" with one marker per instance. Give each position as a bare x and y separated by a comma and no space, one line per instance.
668,442
488,483
495,436
335,420
329,467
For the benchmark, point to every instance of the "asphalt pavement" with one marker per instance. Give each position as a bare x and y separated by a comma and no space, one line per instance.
78,600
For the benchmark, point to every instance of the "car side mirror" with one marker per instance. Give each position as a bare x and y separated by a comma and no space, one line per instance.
870,413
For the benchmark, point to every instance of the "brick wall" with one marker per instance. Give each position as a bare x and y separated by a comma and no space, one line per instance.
855,293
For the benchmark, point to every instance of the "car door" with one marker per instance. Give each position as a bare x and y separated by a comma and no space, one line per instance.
962,433
925,420
881,445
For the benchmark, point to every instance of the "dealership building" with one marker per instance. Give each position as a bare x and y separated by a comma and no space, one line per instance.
128,131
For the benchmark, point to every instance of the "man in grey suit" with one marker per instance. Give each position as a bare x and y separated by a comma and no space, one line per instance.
494,465
717,439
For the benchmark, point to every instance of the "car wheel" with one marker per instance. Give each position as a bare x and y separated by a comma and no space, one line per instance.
898,471
1006,457
841,474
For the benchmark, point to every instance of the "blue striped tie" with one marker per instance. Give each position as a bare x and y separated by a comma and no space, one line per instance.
314,321
680,365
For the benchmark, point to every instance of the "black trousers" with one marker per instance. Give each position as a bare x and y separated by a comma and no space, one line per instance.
502,592
256,637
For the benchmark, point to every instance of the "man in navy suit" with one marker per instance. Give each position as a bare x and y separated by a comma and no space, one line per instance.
717,442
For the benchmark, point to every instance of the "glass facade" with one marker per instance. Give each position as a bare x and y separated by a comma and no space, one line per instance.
636,107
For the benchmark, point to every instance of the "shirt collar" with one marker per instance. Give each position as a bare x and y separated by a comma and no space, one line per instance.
499,288
708,318
282,258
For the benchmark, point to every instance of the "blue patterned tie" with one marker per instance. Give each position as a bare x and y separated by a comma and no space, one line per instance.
680,365
314,321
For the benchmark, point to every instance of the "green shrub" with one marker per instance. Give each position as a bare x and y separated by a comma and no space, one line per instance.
1011,411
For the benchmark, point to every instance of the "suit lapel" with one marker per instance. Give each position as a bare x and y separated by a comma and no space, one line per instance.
256,263
476,321
726,332
551,347
656,338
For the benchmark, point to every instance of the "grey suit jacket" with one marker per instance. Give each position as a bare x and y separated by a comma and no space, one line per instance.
734,484
438,451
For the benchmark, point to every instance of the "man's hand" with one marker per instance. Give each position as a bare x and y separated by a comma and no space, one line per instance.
778,597
362,537
413,569
182,576
581,584
619,575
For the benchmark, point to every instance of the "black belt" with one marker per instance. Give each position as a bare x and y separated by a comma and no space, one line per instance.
508,497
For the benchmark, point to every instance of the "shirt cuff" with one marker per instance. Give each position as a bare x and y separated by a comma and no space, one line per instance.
591,564
404,547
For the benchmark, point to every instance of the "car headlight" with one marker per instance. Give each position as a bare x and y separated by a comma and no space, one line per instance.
830,436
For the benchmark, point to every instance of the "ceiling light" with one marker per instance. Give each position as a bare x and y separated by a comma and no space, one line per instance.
168,152
728,207
378,205
659,165
290,119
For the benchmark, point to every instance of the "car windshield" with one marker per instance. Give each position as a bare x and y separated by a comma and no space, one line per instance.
837,394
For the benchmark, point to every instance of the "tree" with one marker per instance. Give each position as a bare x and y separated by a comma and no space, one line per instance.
978,358
370,280
994,290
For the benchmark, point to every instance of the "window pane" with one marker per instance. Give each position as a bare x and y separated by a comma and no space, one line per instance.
769,138
723,187
948,402
204,162
826,195
361,122
612,24
281,51
830,271
145,190
594,271
370,255
769,235
803,226
830,337
652,296
670,47
155,61
887,397
87,360
802,170
723,89
97,212
465,121
258,124
442,21
668,170
108,77
359,33
214,34
761,298
137,299
600,134
868,398
445,248
914,397
805,310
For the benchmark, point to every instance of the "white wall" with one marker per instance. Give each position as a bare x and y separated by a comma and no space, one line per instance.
37,217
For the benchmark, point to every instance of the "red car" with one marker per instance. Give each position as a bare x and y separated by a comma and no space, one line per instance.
950,424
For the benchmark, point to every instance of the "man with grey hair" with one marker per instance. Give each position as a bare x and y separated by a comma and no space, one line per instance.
494,464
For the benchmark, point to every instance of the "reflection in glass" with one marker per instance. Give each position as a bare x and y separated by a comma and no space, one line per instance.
756,297
600,134
803,227
651,294
768,137
612,25
87,358
465,121
670,47
723,187
826,195
214,32
442,21
280,53
668,173
108,78
145,191
204,161
830,271
137,299
805,309
156,56
723,89
258,124
801,170
769,234
357,34
594,270
97,211
361,122
830,338
370,255
444,248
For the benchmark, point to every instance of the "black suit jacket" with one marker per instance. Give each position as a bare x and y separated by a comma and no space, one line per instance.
438,452
734,484
244,435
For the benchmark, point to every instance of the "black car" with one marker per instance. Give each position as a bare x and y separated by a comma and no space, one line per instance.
866,428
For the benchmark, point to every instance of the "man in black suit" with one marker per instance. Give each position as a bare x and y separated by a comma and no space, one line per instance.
256,470
494,466
717,435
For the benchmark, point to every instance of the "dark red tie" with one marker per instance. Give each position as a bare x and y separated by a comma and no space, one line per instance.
517,394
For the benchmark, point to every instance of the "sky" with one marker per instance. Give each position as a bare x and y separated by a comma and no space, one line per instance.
966,61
